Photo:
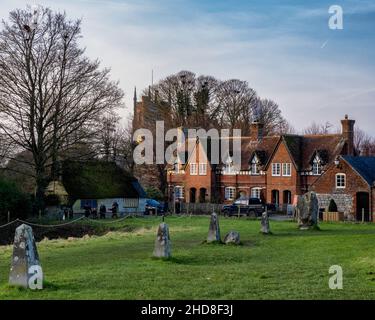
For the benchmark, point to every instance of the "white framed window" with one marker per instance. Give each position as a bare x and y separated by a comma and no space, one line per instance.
254,167
276,169
340,180
179,192
317,167
287,169
229,168
255,192
230,193
193,169
202,169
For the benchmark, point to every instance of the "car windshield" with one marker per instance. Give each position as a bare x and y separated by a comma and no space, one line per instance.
241,201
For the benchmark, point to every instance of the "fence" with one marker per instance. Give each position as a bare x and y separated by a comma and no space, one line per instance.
195,208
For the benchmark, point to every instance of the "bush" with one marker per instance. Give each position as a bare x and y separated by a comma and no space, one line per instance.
154,193
332,206
12,199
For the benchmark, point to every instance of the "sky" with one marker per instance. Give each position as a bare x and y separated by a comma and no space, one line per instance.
285,50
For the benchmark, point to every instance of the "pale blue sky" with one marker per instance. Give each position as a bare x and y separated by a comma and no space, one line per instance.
284,49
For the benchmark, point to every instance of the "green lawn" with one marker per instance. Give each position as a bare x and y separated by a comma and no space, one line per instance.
288,264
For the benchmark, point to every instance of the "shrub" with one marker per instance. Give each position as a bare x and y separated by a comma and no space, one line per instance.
12,199
332,206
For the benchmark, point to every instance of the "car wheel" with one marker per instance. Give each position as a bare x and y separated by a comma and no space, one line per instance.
226,213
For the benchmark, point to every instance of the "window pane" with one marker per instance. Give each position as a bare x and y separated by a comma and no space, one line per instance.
340,181
202,168
193,168
230,192
255,193
276,168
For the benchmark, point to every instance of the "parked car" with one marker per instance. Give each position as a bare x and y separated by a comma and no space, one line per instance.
271,207
252,207
154,207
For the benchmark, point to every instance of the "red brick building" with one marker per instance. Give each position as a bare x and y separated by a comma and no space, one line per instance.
350,181
274,168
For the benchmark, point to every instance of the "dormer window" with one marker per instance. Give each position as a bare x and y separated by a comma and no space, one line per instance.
229,168
176,167
317,166
254,166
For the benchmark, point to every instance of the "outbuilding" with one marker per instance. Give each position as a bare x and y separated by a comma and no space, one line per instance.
350,181
95,183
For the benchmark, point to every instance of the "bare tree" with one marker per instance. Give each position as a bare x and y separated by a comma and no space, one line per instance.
49,90
108,136
115,142
364,144
237,102
124,148
269,113
6,149
316,128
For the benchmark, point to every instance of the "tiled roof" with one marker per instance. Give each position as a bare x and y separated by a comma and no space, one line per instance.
302,148
365,166
263,148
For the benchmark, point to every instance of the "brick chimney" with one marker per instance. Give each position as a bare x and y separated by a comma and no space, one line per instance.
256,130
348,134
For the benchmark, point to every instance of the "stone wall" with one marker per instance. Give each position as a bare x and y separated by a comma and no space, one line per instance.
343,201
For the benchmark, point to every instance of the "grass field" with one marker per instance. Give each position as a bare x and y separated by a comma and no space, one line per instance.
290,264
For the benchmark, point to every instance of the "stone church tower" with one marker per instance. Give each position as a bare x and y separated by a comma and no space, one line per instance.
145,116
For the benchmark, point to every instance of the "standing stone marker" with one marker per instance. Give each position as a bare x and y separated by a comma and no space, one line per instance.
25,270
162,242
265,223
232,237
307,211
214,229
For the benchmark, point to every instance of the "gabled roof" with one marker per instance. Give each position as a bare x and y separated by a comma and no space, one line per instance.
365,167
303,148
329,147
99,180
294,144
263,148
323,156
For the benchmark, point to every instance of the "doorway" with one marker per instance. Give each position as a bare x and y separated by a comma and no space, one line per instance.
193,192
363,206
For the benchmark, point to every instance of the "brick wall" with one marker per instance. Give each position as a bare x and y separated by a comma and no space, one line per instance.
281,183
345,198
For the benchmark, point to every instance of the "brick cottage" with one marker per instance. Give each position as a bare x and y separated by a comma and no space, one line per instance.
279,168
